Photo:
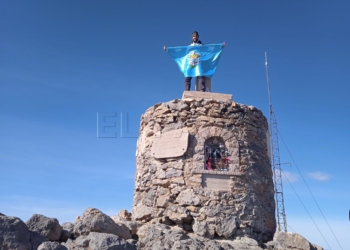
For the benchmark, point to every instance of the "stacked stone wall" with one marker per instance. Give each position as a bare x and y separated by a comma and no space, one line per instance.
172,191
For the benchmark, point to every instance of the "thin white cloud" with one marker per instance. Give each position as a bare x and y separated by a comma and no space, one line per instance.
319,176
292,178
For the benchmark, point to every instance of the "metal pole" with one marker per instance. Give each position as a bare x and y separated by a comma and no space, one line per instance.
275,162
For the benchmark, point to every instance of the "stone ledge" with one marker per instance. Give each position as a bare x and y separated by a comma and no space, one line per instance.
216,172
207,95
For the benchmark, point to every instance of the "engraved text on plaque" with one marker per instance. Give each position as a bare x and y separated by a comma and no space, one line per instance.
216,182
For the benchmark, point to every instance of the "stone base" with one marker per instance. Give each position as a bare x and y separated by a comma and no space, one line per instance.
207,95
176,186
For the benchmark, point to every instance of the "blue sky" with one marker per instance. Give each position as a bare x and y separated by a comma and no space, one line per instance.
63,62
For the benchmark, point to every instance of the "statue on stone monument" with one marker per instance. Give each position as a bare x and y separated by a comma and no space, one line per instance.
197,62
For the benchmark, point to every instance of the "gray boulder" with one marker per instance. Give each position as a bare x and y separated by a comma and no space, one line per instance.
125,214
67,231
130,224
14,234
316,247
163,237
93,220
80,243
159,236
51,246
125,218
286,240
49,227
204,228
245,243
149,232
100,241
37,239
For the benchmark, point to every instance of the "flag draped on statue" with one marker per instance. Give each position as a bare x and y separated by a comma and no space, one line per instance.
197,60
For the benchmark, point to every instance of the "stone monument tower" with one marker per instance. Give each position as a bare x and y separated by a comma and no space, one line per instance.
203,165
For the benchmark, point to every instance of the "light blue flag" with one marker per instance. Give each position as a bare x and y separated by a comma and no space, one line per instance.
198,60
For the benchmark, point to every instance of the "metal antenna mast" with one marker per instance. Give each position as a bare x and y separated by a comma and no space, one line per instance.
276,164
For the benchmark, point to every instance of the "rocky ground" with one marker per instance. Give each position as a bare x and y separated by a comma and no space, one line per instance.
95,230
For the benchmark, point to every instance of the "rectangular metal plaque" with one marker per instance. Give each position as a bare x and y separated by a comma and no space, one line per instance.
170,144
216,182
